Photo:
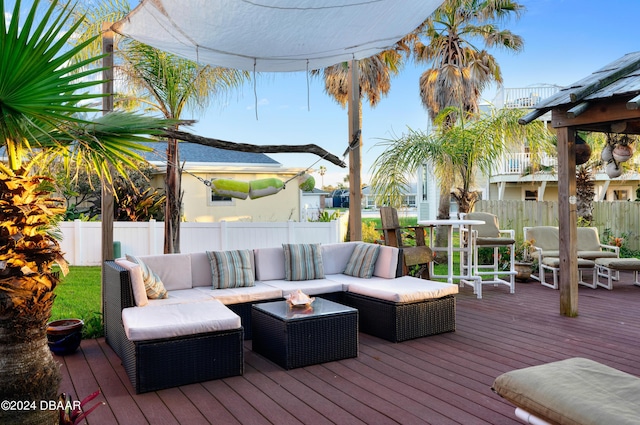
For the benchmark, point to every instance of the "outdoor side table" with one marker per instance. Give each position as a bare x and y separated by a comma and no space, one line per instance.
301,336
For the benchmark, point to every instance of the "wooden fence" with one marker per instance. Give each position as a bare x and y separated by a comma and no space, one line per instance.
619,219
81,240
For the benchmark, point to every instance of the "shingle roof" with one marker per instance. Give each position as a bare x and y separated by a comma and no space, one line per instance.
193,152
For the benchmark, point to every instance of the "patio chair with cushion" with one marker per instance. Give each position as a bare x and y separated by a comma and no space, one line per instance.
488,236
545,248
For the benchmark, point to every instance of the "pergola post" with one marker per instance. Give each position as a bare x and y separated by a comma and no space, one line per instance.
107,106
355,144
567,222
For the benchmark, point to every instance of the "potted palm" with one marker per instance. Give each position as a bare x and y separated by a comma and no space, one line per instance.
524,263
45,99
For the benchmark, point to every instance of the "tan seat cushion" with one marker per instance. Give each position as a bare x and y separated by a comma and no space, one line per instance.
619,263
575,391
555,262
490,228
544,237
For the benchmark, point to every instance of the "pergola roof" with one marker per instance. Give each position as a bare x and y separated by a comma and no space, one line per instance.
274,35
605,101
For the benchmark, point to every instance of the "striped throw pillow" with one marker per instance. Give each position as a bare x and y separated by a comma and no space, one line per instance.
231,269
363,260
152,282
303,262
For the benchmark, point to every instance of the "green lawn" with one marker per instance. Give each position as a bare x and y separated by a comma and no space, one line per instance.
78,296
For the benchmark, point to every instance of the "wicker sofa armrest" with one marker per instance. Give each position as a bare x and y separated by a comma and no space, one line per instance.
117,295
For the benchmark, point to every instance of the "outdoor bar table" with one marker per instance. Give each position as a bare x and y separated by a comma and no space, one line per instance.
450,224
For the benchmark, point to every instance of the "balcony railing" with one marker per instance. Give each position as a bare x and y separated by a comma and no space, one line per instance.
520,163
526,97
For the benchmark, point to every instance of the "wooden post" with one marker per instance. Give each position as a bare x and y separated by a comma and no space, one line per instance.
107,106
567,216
355,190
106,205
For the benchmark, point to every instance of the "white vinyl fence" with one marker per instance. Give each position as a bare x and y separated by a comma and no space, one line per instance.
81,241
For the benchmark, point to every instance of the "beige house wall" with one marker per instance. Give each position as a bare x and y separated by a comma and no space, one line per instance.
197,205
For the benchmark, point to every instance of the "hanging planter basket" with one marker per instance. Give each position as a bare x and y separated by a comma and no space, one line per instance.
622,153
583,151
613,170
607,153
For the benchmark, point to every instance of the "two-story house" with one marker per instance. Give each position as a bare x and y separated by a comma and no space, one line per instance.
511,179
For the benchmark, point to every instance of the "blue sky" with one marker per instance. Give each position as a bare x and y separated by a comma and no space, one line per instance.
565,40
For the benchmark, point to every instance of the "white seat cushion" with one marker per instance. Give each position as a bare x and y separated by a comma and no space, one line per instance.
167,321
309,287
181,296
258,292
401,290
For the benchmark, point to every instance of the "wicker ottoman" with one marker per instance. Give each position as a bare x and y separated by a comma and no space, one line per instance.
610,268
403,308
297,337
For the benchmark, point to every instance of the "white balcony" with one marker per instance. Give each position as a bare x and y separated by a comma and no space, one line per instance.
520,164
525,97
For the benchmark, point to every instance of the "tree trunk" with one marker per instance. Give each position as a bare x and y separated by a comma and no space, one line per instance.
28,372
173,200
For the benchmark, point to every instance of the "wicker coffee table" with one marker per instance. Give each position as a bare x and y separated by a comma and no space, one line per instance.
301,336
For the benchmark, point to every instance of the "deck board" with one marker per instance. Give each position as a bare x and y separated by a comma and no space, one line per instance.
442,379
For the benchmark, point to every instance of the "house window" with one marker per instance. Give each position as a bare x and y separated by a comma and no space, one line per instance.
218,200
621,194
530,195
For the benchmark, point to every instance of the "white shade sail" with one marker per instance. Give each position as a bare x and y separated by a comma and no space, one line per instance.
274,35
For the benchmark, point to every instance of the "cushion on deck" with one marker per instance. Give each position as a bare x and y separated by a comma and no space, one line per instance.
494,241
269,263
167,321
387,262
137,281
576,391
592,255
181,296
173,269
309,287
544,237
555,262
400,290
619,263
588,239
259,292
335,256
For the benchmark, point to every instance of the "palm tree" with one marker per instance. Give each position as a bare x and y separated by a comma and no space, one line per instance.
168,84
323,171
458,152
159,82
459,70
45,102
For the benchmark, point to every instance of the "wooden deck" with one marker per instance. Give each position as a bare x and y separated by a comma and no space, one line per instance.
443,379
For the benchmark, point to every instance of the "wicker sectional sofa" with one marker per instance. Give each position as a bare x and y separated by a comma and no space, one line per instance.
199,330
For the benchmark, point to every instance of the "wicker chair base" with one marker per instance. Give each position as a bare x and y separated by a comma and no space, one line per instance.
398,322
163,363
158,364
